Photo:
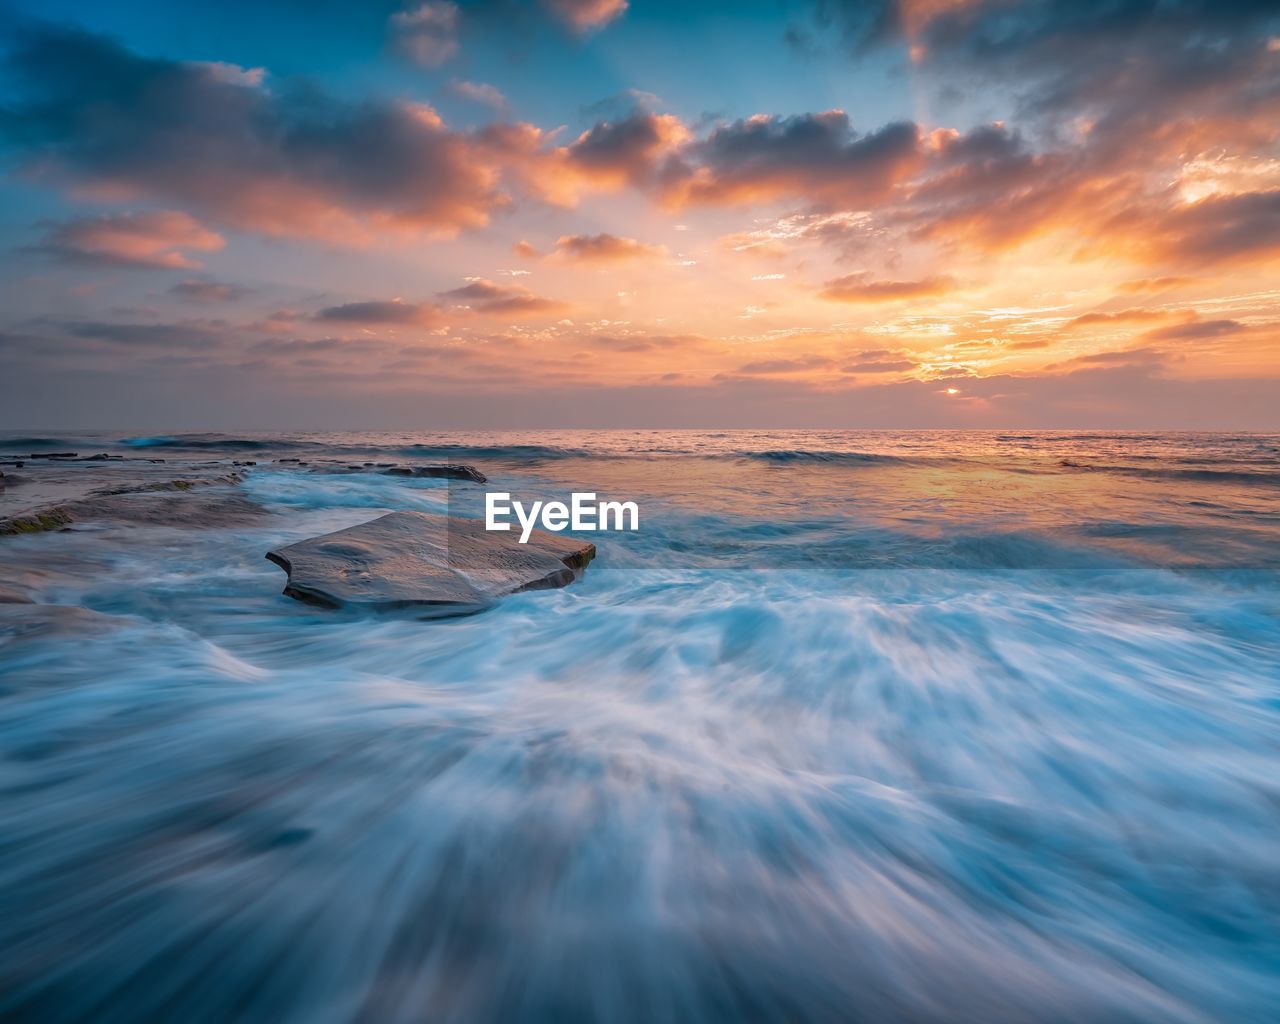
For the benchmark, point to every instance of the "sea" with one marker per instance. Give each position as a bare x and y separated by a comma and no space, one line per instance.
858,726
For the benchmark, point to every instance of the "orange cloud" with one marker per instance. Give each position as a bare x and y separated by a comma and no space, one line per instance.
155,239
1124,316
1196,330
585,15
604,248
626,152
1157,284
484,297
860,287
1220,229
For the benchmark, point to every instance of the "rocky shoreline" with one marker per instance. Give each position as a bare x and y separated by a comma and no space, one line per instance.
435,564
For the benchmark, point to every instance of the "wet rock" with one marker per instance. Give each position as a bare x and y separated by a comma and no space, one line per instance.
192,502
55,455
184,484
188,510
54,518
438,565
448,472
205,509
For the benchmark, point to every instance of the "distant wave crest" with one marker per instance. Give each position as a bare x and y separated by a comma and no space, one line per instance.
809,455
34,442
506,451
212,442
1261,478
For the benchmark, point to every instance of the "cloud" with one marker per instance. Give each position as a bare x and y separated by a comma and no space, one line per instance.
1219,229
783,366
586,15
1157,284
479,92
233,74
1123,316
1144,356
646,343
629,151
815,156
164,336
1125,96
604,248
1197,329
393,311
880,366
485,297
860,287
1129,58
292,161
150,240
845,230
208,291
426,33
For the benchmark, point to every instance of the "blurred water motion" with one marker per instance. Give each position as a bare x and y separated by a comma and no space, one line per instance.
858,727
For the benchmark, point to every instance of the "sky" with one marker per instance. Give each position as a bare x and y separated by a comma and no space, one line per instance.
640,213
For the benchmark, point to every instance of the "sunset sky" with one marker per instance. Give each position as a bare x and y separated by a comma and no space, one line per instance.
261,214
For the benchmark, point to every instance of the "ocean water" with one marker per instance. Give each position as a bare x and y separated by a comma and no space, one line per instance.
858,726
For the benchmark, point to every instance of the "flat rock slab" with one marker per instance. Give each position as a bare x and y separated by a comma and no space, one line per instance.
439,564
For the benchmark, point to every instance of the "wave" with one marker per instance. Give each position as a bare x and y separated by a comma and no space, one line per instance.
218,442
214,442
810,455
36,442
1227,476
506,451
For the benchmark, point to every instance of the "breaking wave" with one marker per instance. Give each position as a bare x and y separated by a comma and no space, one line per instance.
24,443
510,452
800,455
215,442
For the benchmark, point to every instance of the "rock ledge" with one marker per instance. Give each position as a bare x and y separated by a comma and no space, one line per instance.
438,564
